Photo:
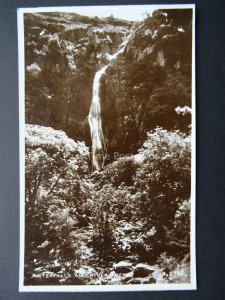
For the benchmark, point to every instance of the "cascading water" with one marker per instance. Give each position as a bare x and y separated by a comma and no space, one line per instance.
95,122
94,116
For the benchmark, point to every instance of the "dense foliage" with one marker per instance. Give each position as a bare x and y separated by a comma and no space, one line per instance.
135,210
152,189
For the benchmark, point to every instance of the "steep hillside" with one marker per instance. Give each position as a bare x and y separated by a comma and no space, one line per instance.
143,87
62,53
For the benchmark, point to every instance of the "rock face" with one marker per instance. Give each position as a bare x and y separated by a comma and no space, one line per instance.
143,87
62,53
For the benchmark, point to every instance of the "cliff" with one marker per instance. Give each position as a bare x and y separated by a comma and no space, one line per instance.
62,53
143,87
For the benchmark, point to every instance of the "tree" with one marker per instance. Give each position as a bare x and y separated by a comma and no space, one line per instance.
55,198
163,182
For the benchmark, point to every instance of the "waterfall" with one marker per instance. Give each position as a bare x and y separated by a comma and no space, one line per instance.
94,116
95,122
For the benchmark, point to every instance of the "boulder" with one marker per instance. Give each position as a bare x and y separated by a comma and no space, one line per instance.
123,267
142,270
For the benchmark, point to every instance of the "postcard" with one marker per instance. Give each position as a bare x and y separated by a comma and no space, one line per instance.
107,148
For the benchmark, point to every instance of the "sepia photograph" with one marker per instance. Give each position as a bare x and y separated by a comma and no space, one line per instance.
107,148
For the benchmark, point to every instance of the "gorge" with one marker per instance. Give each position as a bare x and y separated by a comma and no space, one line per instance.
140,89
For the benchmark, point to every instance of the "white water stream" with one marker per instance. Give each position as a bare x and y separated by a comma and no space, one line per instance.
94,116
